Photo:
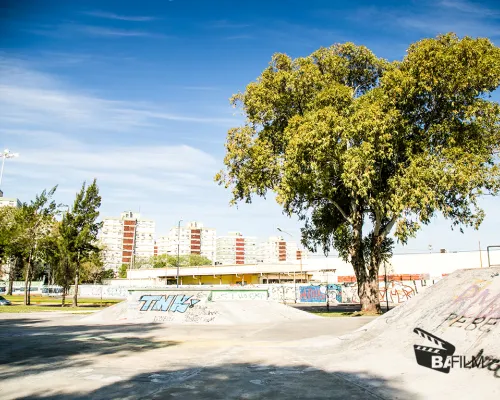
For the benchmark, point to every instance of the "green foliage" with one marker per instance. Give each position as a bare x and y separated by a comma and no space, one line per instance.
349,141
108,274
122,272
170,261
79,229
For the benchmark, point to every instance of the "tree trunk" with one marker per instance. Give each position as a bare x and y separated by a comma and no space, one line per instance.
77,278
63,297
27,279
12,276
366,274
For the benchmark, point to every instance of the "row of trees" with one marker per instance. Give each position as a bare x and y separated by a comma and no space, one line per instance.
35,243
166,261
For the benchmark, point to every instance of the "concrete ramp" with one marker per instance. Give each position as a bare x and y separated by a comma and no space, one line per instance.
443,343
188,306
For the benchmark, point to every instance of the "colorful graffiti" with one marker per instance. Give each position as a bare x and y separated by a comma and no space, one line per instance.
312,294
173,303
396,292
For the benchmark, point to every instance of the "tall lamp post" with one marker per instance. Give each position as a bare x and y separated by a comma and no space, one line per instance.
294,279
178,249
6,154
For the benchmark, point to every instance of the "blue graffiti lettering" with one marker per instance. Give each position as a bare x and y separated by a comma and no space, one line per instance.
174,303
180,304
163,304
148,299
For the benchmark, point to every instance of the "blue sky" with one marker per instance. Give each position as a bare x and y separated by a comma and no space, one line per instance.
136,94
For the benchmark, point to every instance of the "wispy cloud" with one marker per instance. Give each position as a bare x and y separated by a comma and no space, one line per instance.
113,32
239,37
71,29
469,7
109,15
201,88
225,24
66,136
39,100
461,17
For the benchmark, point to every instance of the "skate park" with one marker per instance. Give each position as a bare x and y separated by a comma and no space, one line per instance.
202,344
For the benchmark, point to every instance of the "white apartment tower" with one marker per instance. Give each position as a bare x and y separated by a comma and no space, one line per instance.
193,238
276,249
236,249
127,238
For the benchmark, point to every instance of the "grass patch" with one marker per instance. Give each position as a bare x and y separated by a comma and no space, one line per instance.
41,303
18,308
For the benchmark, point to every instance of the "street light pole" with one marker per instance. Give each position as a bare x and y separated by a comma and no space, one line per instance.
178,249
294,277
6,154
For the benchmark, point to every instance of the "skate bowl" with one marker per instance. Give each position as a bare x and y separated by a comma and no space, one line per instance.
444,342
198,307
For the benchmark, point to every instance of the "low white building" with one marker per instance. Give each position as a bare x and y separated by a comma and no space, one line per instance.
9,201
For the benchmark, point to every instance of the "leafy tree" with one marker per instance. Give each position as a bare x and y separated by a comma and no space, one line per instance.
33,222
194,260
108,274
10,253
358,147
122,272
170,261
58,256
92,269
80,229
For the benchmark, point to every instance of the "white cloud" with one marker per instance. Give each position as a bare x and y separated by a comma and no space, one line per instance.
469,7
114,32
37,98
66,136
109,15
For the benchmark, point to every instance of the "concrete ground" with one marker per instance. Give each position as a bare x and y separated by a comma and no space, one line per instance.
56,356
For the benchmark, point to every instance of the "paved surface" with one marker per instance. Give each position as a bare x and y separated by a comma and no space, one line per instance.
47,356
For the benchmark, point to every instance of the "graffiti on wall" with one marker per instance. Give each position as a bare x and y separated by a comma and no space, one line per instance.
239,295
282,293
312,294
173,303
321,293
396,292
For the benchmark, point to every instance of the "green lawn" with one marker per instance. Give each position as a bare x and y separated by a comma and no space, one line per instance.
39,303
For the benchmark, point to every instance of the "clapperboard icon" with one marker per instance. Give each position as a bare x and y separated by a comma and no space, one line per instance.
424,354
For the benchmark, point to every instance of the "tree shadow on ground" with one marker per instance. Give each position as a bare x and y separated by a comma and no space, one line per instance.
243,381
30,347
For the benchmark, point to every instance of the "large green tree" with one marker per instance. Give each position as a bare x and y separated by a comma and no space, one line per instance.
361,148
79,229
33,222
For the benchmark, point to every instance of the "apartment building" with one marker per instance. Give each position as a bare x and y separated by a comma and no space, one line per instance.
276,249
236,249
127,238
9,201
193,238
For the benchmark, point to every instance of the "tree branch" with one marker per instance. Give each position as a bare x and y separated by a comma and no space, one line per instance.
342,212
378,222
388,227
